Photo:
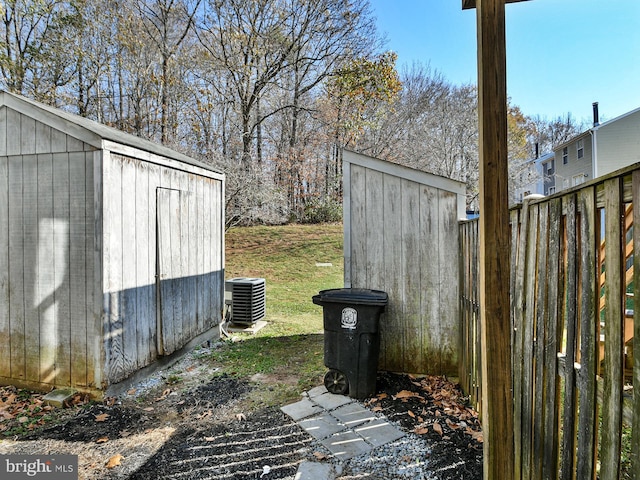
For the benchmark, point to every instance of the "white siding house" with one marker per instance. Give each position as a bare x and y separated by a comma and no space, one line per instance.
602,149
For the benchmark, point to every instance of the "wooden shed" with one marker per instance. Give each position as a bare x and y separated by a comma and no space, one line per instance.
401,236
111,250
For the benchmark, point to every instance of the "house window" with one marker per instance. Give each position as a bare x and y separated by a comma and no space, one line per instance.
552,190
548,168
565,155
577,179
580,148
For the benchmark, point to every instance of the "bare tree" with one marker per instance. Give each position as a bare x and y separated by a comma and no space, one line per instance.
34,59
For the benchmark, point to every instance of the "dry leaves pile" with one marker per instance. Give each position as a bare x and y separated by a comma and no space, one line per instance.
430,404
435,409
21,410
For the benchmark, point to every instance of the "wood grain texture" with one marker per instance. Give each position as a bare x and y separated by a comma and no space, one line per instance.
570,399
613,333
5,330
130,287
30,275
586,377
62,266
635,430
78,268
494,242
16,269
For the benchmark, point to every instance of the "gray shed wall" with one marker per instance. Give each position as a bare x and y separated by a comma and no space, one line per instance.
109,258
401,236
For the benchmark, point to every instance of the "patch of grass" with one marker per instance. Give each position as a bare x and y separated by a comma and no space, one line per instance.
289,350
287,257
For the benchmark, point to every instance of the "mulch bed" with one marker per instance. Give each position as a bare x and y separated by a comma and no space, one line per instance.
214,438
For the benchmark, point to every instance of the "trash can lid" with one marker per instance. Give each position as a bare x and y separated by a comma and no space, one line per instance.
358,296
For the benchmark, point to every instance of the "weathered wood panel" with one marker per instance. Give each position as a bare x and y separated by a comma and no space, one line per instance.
398,221
613,333
16,269
144,280
130,283
570,400
30,235
27,135
412,330
45,299
540,341
574,250
368,241
552,344
3,132
394,281
62,266
78,269
113,266
431,303
635,430
528,329
93,268
5,330
586,376
448,287
13,132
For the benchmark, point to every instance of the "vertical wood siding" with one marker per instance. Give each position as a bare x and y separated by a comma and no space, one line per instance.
140,200
575,330
46,240
79,259
399,237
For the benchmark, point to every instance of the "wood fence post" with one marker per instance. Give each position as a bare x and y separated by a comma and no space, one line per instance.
497,396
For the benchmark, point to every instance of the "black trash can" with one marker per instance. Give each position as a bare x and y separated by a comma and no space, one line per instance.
351,339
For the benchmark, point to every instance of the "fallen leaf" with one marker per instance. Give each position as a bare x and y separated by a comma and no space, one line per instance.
240,417
23,419
437,428
404,394
382,395
148,409
209,439
114,461
166,392
132,391
451,425
421,430
110,401
411,414
102,417
377,409
320,455
102,440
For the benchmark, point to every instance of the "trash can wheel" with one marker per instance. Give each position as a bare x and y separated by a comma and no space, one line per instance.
336,382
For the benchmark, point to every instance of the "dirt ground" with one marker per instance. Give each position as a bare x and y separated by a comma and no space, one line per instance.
212,425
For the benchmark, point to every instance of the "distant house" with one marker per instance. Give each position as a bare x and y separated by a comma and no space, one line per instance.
111,250
602,149
537,177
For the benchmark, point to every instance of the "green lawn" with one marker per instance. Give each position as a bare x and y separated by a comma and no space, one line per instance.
289,350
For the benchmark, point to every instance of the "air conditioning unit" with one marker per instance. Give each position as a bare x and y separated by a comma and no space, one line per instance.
247,299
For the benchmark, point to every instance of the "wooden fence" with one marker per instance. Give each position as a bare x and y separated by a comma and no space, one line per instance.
576,414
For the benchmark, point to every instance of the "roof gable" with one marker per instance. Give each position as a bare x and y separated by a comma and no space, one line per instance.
89,131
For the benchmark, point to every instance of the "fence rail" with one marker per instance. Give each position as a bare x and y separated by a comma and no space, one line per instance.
576,411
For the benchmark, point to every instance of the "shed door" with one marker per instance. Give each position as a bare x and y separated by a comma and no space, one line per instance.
174,312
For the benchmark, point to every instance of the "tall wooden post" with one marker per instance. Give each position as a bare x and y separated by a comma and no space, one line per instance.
497,395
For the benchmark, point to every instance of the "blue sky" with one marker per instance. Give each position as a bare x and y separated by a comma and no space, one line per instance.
562,55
